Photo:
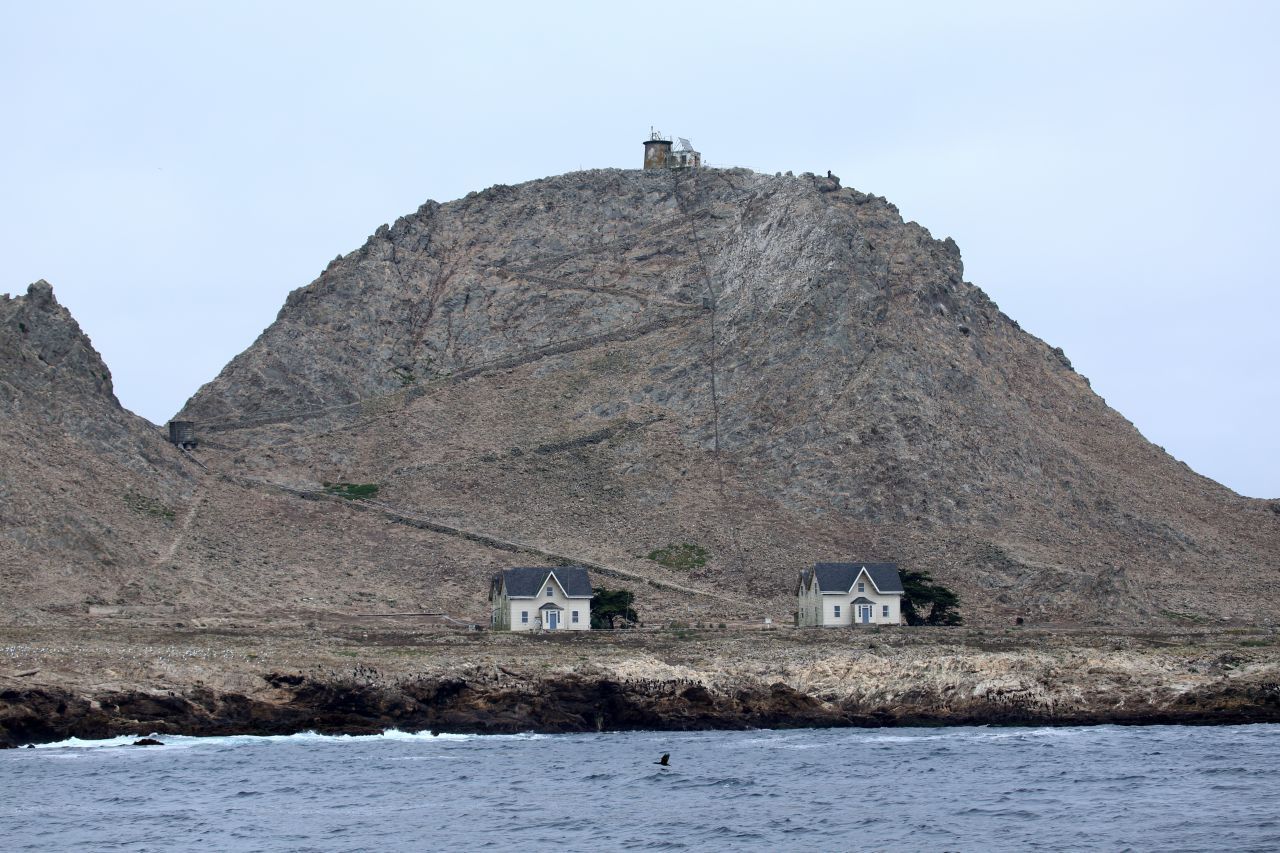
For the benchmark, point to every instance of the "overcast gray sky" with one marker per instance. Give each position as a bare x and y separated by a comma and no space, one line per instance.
1108,169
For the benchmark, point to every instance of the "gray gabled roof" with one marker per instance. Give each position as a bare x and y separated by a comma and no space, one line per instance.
839,577
527,581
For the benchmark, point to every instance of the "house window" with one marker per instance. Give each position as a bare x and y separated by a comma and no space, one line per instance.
549,592
524,616
885,612
862,587
575,616
837,611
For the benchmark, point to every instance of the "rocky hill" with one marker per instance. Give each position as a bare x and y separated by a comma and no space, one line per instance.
697,382
82,481
767,370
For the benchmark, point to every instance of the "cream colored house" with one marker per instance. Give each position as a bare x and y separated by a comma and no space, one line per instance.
836,594
547,598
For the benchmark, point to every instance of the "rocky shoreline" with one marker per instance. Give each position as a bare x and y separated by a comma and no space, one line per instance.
565,705
336,680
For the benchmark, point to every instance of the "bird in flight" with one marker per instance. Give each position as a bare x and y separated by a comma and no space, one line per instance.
664,760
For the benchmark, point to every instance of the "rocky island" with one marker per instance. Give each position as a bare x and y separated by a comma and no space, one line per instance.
596,369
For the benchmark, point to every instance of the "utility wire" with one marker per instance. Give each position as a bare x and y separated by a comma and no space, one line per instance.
713,299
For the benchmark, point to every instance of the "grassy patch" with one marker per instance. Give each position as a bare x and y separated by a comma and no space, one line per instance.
684,556
1185,617
144,505
1261,642
352,491
610,362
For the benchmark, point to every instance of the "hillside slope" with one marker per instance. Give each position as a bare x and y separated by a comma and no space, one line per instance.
97,508
772,369
86,488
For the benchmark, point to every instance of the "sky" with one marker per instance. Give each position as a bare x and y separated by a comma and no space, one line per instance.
1108,168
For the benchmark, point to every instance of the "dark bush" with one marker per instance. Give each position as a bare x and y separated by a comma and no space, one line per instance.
925,602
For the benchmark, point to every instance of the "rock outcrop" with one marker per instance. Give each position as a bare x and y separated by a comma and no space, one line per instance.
46,358
714,680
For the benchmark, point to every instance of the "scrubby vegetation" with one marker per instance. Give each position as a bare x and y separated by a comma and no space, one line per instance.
352,491
1194,618
684,556
144,505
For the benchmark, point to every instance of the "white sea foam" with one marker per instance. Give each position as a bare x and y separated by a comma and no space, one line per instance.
187,741
102,743
300,737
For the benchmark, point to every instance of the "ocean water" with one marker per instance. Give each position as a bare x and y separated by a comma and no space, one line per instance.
1090,788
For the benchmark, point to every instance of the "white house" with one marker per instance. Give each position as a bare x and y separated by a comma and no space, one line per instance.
834,594
550,598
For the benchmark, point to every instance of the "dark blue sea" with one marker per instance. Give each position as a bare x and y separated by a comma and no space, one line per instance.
1164,788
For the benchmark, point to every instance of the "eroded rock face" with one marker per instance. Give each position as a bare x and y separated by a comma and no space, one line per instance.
783,371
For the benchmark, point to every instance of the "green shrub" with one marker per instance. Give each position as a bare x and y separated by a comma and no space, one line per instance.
352,491
684,556
609,606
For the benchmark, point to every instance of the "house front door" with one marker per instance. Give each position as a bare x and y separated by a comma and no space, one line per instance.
553,619
864,613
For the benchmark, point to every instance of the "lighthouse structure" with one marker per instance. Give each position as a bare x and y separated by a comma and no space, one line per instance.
658,154
656,150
